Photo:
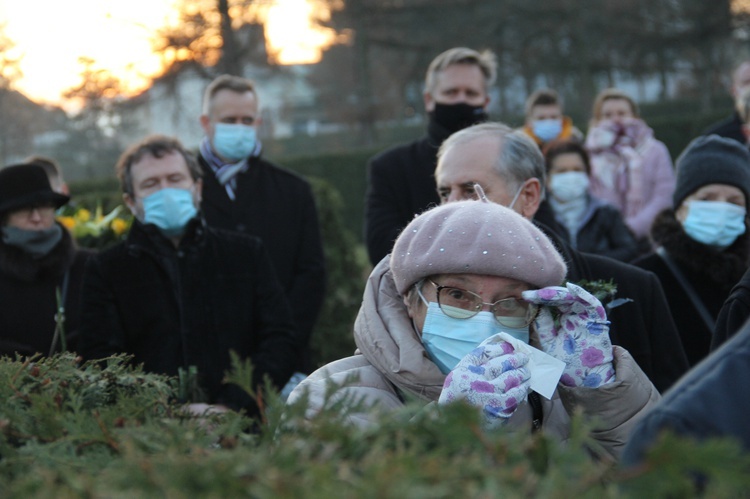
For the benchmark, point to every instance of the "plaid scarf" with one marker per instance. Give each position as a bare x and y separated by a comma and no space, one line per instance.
226,173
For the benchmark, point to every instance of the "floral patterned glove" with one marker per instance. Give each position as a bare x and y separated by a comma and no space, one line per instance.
493,377
573,327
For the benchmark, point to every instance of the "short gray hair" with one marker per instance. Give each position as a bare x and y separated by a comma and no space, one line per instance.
485,61
236,84
519,159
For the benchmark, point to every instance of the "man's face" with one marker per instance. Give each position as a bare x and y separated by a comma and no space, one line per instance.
469,163
152,174
456,84
544,112
230,107
473,161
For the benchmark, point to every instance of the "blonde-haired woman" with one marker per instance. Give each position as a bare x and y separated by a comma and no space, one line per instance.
629,167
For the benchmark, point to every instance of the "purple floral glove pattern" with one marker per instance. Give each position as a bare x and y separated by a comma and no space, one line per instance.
573,327
493,377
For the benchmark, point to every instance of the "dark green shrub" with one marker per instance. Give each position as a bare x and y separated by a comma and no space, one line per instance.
347,172
347,269
93,433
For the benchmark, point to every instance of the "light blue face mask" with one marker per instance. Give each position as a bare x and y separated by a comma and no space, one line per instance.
714,223
170,210
569,185
234,141
547,130
448,340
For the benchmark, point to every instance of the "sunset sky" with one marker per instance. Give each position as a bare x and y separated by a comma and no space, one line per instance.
52,34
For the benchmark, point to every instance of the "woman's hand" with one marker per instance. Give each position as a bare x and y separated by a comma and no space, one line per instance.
492,377
573,327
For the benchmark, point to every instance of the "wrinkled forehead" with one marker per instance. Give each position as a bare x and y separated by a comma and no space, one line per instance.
469,153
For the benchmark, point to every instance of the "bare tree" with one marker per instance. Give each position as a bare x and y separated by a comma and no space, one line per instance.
10,72
97,94
212,36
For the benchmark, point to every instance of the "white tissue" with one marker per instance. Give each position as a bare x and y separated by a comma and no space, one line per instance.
545,369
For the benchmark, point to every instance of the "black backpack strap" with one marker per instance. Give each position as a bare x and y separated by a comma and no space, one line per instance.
60,313
689,290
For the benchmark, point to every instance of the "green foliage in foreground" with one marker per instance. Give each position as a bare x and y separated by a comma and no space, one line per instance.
69,432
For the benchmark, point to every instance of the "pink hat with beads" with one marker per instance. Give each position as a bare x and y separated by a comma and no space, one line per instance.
475,237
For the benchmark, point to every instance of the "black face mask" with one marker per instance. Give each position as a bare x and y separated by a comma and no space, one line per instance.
455,117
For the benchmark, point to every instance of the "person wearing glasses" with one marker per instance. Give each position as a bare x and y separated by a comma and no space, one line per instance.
40,267
510,168
428,331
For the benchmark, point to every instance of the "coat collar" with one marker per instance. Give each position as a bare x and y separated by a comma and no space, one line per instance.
148,238
723,267
385,335
214,193
20,265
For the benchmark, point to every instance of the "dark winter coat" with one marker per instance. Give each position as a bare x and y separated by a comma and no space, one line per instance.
276,205
712,400
400,184
643,326
730,127
176,307
734,313
711,272
28,288
602,230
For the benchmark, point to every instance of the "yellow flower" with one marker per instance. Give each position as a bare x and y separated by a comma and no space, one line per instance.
67,222
118,226
83,215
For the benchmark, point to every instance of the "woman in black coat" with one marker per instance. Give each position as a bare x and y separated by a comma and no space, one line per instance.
703,243
583,221
38,260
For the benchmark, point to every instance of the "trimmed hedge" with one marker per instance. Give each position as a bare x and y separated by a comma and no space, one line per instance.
117,432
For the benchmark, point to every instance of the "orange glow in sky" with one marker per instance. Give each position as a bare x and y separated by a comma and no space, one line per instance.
51,35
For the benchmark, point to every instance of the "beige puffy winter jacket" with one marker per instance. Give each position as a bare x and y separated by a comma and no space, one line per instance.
391,365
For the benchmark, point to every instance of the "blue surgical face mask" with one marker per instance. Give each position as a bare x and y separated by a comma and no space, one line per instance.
170,210
714,223
234,141
448,340
547,130
569,185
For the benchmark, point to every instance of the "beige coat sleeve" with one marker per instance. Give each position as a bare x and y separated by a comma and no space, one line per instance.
615,407
351,384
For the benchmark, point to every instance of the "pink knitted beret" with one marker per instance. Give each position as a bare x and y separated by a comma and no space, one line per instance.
475,237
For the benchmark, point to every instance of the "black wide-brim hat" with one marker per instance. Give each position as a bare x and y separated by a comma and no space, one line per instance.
26,185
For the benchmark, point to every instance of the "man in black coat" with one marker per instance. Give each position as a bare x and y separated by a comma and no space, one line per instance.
401,180
178,294
731,127
243,192
510,169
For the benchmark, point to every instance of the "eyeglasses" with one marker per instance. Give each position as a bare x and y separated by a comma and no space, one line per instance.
462,304
42,208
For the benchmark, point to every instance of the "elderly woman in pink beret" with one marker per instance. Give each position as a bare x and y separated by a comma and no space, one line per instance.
458,311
